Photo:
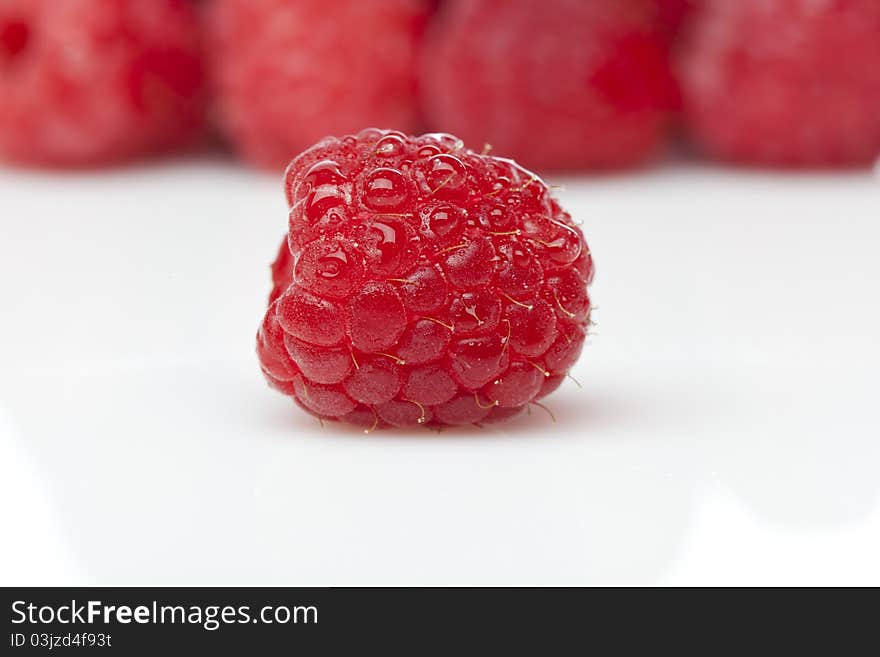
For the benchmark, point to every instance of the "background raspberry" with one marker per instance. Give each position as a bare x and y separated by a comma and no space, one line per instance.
562,84
672,15
421,283
790,82
87,82
288,73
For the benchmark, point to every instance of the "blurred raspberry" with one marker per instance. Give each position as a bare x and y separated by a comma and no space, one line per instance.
86,82
560,84
672,14
785,82
421,283
289,72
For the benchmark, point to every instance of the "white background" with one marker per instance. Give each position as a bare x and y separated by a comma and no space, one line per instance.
726,432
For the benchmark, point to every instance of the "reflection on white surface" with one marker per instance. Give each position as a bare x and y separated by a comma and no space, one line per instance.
32,549
725,432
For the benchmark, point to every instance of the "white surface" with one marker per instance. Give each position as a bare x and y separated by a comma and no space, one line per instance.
727,431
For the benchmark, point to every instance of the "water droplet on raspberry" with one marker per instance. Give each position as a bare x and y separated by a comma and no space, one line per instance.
566,245
517,386
520,275
320,190
444,220
385,189
471,266
423,342
444,140
518,257
390,146
395,246
319,364
442,224
528,195
326,268
492,170
309,317
478,360
429,384
532,331
323,172
302,230
428,151
425,291
461,410
475,312
375,381
500,218
368,135
445,176
561,244
499,186
375,317
323,400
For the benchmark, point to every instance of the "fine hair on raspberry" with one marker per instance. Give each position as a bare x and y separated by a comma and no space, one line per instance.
421,283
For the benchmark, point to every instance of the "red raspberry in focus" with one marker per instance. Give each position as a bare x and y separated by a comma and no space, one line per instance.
561,84
289,72
421,283
788,82
87,82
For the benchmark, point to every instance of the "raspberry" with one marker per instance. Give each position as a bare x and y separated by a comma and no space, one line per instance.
561,84
288,73
673,14
421,283
787,83
88,82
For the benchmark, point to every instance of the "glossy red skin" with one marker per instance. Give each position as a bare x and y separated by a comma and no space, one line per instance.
560,84
289,73
421,283
91,82
786,83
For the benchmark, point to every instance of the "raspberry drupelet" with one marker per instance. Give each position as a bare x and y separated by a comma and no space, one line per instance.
421,283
